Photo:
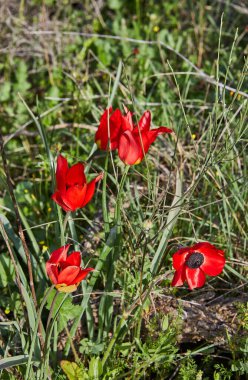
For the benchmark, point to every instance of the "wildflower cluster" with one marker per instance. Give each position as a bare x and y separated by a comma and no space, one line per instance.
117,131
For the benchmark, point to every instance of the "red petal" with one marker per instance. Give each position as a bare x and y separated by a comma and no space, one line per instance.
62,168
68,275
74,259
101,136
162,130
179,257
129,148
179,278
57,198
59,254
145,121
81,276
206,248
127,120
213,263
153,134
91,189
74,197
109,130
195,277
148,137
52,272
75,175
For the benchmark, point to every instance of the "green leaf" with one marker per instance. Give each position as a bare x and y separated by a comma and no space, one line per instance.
170,223
6,270
13,237
95,368
12,361
5,91
21,74
73,371
68,310
165,323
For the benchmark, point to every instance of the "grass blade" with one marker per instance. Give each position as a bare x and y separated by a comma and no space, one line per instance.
170,223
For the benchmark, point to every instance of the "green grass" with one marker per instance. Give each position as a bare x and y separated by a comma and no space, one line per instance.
61,65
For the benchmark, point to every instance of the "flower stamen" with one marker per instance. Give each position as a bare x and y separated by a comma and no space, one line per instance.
195,260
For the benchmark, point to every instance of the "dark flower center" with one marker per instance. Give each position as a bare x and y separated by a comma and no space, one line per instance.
195,260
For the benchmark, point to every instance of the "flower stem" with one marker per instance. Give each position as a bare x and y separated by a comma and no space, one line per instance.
76,357
63,227
113,340
52,319
118,200
51,309
104,197
35,331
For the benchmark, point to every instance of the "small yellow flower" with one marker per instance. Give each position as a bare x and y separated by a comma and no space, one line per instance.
49,209
231,93
44,248
7,310
193,136
156,29
41,242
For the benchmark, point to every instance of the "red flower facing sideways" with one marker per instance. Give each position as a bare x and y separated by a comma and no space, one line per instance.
64,271
109,130
192,264
117,131
136,140
72,191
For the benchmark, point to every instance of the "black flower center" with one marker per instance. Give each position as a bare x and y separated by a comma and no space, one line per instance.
195,260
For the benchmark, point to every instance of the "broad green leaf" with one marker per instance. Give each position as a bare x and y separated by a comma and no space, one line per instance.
73,371
68,310
95,368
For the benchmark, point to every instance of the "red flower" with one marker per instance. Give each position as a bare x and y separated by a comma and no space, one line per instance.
192,264
109,130
64,271
135,140
72,189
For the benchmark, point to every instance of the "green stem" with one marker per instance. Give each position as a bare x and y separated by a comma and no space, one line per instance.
76,357
48,339
67,216
63,225
104,197
51,309
60,216
106,304
142,267
34,337
113,340
118,200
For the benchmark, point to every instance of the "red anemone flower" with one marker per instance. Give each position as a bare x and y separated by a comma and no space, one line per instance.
192,264
135,140
65,271
72,189
109,130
